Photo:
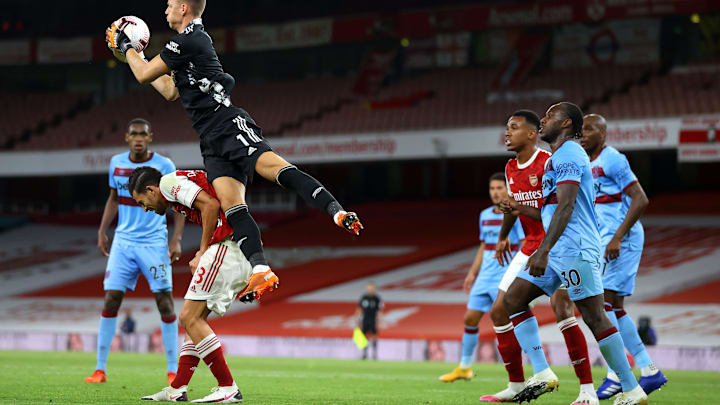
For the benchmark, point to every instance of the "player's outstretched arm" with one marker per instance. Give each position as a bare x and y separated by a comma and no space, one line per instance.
636,209
210,210
111,209
154,72
566,195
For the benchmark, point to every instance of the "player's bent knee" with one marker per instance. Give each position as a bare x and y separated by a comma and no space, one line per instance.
472,318
113,300
510,303
562,305
187,319
594,318
230,191
269,164
165,303
498,313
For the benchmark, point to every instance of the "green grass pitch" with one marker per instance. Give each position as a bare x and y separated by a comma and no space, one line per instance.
57,378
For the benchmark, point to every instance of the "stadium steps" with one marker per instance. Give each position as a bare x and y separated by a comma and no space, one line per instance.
82,105
321,112
623,88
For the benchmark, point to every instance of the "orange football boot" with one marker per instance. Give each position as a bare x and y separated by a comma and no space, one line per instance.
97,377
261,282
171,377
350,222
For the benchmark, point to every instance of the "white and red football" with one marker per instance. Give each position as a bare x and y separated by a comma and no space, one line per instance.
135,28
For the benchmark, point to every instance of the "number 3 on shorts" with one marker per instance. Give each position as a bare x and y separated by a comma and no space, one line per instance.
200,273
572,277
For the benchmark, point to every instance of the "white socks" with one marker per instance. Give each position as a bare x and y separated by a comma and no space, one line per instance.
649,370
260,268
588,389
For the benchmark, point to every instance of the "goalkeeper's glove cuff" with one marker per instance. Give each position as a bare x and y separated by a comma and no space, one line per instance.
123,42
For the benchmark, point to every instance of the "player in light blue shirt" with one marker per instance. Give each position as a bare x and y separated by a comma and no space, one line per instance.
619,201
569,254
140,245
485,273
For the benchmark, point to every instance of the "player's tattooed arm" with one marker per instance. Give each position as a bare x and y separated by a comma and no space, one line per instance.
566,195
111,209
503,253
636,209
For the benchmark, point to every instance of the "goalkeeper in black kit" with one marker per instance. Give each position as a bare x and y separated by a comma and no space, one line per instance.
231,143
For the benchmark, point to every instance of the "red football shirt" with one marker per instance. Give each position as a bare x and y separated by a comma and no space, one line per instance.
182,187
524,184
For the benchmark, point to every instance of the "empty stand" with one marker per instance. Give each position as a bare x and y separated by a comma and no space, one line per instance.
23,112
452,98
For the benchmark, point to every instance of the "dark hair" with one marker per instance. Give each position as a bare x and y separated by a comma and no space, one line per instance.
529,116
141,121
196,6
574,112
497,176
142,177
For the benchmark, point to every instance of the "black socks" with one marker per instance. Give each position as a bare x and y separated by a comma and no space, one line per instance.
314,194
247,233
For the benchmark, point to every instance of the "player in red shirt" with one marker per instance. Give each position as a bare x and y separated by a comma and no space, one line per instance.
220,272
524,182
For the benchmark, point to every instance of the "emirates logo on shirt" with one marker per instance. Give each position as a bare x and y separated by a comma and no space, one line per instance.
533,180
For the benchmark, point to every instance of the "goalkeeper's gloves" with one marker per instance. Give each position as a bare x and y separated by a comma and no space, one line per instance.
120,39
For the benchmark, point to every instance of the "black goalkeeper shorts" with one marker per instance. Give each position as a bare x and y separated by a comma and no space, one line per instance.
232,145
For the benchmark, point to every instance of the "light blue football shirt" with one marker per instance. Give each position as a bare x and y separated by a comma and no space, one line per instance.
570,164
489,225
134,224
613,176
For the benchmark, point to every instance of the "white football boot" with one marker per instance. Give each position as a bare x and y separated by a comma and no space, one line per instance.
539,384
586,398
222,395
635,397
169,394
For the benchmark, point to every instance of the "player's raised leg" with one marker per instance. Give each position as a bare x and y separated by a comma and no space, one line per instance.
231,194
576,345
273,167
469,342
527,331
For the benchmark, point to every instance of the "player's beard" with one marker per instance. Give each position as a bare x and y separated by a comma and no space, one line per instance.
549,137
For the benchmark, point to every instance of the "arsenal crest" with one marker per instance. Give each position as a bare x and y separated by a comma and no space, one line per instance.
533,180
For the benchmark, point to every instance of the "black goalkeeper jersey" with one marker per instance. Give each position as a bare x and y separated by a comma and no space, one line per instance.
199,77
